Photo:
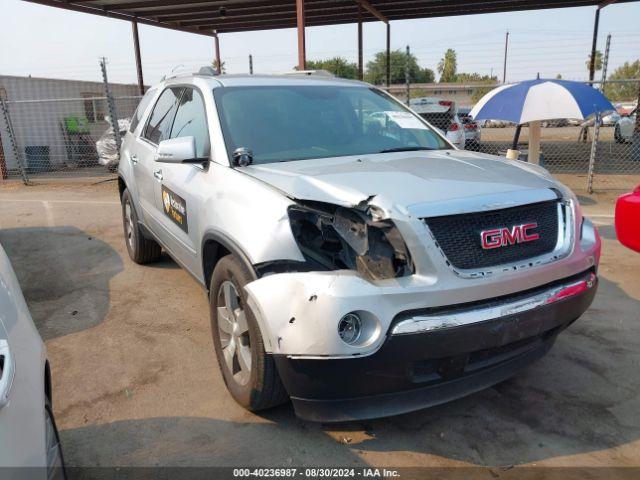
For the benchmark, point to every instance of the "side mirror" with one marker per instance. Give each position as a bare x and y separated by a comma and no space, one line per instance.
178,150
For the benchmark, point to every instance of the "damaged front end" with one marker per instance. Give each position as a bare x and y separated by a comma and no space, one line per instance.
331,237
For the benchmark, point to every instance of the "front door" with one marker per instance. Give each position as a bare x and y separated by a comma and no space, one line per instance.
148,172
181,183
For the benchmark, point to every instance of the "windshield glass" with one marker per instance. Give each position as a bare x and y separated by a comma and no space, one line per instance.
285,123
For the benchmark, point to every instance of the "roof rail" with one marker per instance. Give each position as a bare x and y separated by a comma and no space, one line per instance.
309,73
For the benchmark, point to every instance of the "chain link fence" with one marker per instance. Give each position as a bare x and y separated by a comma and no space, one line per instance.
57,128
59,137
567,145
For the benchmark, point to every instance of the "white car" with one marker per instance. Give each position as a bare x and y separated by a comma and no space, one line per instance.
624,128
442,114
610,120
28,434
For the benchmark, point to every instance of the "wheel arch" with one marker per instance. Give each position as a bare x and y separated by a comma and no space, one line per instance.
47,382
122,186
216,245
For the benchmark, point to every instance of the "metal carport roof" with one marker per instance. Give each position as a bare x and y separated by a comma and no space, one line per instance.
212,17
205,16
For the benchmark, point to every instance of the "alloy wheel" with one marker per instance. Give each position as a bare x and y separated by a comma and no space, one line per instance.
128,224
233,331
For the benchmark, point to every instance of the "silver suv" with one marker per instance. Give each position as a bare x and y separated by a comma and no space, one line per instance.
355,261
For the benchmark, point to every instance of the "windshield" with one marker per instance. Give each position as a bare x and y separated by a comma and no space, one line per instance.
285,123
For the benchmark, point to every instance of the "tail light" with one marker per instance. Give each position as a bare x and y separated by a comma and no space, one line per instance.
445,103
471,126
454,127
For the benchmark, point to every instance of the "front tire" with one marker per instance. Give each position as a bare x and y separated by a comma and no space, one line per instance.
248,371
55,459
141,249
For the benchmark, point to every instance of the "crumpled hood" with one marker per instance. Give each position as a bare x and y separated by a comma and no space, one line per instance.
403,179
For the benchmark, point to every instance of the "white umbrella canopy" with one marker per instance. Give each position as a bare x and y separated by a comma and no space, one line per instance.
541,99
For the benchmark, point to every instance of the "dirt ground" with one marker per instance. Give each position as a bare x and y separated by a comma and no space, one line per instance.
136,382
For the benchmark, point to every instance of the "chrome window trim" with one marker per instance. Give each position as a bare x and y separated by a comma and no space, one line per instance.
564,246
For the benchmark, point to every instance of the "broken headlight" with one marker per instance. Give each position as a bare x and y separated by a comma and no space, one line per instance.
334,238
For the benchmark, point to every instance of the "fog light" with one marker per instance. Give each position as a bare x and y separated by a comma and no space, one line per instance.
350,328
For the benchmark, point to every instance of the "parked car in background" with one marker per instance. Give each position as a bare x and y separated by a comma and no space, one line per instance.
555,123
611,119
443,115
354,260
624,128
28,434
628,219
495,123
471,129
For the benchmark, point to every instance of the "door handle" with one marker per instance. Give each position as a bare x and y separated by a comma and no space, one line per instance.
158,174
8,370
134,158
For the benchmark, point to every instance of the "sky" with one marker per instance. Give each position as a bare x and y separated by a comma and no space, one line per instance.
47,42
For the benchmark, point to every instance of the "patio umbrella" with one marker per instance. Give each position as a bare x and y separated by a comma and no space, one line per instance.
541,99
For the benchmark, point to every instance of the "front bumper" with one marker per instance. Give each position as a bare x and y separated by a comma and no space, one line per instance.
418,370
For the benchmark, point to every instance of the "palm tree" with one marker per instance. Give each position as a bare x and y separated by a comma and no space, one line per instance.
448,65
598,64
222,69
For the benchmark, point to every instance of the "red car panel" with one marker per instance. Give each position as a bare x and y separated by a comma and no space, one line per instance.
628,219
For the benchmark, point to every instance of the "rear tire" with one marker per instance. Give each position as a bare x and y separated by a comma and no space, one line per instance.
248,371
141,249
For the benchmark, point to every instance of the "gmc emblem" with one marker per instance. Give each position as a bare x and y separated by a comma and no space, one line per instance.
501,237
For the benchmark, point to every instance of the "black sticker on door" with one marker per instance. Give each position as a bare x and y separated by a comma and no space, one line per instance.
175,208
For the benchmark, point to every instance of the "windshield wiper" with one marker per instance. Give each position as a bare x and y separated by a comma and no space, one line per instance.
405,149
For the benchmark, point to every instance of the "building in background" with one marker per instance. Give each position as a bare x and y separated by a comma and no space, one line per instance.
56,122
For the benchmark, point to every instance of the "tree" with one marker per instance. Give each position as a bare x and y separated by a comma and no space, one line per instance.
598,65
223,69
339,66
376,71
559,76
623,91
448,65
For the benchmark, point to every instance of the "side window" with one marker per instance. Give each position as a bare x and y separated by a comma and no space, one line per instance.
159,125
142,106
191,121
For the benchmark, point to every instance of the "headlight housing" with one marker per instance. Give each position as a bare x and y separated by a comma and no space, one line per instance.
336,238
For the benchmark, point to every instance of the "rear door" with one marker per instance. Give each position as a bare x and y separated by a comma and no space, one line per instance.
182,184
146,171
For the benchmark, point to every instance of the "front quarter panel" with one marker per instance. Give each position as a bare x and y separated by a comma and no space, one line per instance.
249,213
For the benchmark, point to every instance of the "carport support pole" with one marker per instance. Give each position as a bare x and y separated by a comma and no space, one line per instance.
360,68
217,47
302,53
388,62
136,48
594,150
594,41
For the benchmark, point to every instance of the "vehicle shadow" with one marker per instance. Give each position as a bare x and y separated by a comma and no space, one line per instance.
583,396
64,274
